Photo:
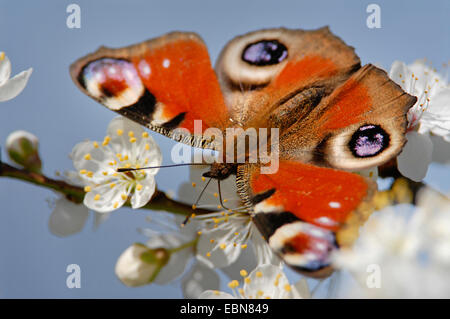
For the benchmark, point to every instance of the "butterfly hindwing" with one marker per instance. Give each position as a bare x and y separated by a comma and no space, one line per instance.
302,209
163,84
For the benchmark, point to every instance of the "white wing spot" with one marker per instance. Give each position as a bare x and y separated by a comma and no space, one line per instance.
166,63
334,204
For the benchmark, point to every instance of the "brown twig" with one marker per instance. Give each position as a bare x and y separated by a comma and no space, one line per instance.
160,201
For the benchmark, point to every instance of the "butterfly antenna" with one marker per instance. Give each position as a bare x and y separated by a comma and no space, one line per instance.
123,169
196,202
220,195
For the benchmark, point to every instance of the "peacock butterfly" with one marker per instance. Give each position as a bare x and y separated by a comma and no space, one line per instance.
334,118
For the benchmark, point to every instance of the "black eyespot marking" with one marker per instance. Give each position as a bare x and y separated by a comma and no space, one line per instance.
265,52
369,140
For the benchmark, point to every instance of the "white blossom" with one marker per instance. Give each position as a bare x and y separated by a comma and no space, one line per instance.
408,247
264,282
126,145
430,115
11,87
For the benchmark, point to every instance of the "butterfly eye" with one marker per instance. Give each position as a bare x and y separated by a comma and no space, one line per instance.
368,141
265,52
113,81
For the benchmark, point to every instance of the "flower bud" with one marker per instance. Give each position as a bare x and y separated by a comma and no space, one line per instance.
139,265
23,149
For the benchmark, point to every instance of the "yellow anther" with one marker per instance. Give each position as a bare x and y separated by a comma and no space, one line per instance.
83,171
247,280
2,56
124,196
87,157
128,165
203,178
219,206
105,173
147,146
244,246
115,174
193,215
132,140
243,273
146,161
260,293
225,200
125,157
144,134
276,282
211,241
193,184
287,287
259,274
199,233
233,284
234,244
194,206
112,185
208,254
90,174
119,132
139,187
106,141
131,134
96,145
119,155
87,189
216,195
97,197
116,204
223,246
236,234
216,292
215,226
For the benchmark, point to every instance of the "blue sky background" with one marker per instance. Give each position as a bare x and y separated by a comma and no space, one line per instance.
34,33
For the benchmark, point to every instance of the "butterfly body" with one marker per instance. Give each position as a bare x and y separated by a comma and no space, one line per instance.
331,117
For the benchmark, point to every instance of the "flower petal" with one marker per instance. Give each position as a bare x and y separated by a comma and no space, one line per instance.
118,130
104,199
400,74
97,162
5,69
215,294
209,249
67,218
14,86
141,197
267,281
413,161
199,279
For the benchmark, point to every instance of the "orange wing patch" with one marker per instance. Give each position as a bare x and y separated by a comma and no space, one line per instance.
179,74
321,196
353,100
